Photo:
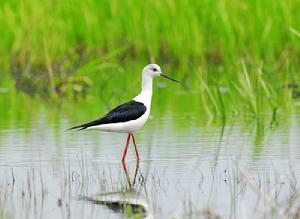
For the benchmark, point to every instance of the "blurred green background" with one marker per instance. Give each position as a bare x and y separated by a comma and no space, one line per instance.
232,56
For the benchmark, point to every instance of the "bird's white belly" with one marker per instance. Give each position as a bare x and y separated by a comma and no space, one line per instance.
124,127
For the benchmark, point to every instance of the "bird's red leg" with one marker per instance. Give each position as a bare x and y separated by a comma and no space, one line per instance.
135,148
125,149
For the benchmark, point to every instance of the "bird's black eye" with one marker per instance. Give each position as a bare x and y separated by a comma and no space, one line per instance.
154,69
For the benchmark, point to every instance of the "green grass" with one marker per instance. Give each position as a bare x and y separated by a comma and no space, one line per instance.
249,48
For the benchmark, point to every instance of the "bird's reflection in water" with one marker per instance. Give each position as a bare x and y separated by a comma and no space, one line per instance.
128,201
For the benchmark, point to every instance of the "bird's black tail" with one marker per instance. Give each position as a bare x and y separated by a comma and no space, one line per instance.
77,128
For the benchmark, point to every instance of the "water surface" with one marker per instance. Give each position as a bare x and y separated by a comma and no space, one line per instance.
190,165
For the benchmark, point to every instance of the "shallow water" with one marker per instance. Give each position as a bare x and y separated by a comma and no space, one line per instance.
190,166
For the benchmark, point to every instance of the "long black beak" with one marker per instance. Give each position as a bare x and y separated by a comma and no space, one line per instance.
166,76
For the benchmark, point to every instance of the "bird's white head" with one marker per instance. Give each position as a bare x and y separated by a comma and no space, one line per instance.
149,72
153,70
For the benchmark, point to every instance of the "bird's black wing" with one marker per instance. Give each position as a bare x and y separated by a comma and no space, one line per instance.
128,111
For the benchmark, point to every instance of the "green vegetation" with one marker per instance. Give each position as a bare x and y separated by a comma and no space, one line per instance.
64,62
240,56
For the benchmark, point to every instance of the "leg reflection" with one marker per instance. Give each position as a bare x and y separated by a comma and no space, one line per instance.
131,184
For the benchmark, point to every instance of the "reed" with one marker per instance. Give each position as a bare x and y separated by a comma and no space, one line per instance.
249,48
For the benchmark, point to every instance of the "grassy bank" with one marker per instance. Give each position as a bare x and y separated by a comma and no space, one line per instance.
249,50
37,33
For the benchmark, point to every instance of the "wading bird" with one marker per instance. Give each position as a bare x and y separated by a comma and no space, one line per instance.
130,116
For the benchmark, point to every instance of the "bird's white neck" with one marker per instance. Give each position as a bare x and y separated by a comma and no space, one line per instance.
146,93
147,83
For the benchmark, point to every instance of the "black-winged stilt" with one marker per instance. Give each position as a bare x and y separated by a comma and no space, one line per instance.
130,116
